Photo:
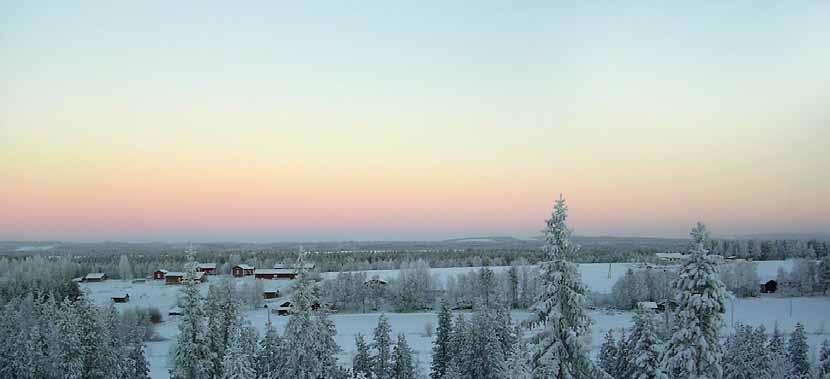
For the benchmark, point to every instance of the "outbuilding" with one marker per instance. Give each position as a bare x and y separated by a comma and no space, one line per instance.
769,286
179,277
243,270
275,273
121,298
95,277
159,274
270,294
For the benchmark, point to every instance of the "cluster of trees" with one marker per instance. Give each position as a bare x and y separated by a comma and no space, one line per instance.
741,278
416,289
64,338
381,359
765,250
38,277
643,285
806,277
215,342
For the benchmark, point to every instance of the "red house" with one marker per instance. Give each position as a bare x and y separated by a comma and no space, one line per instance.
159,274
207,268
243,270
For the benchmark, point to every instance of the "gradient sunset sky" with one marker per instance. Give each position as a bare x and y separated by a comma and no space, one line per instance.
272,121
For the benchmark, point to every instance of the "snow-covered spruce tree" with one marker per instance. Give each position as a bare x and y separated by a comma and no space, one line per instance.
561,350
797,352
461,357
824,360
268,357
694,351
745,355
441,345
136,364
778,362
518,365
237,363
646,347
308,342
608,355
402,363
222,314
192,357
362,362
382,361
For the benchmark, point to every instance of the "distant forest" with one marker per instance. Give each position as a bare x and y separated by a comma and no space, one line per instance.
350,256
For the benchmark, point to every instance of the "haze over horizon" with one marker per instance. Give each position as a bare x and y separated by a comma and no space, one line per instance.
274,122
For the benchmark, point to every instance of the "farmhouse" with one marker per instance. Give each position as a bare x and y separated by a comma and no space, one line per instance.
175,311
95,277
159,274
121,298
243,270
275,273
179,277
207,268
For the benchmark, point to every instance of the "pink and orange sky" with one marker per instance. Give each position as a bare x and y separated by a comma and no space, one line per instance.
268,122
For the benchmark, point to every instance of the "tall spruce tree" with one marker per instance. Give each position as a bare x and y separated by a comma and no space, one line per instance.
403,366
362,362
797,351
561,350
237,363
778,362
608,354
382,361
269,355
441,345
694,349
192,356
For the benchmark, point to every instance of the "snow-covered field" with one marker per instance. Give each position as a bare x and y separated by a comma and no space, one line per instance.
812,311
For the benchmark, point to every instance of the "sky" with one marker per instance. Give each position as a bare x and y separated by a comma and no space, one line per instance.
286,121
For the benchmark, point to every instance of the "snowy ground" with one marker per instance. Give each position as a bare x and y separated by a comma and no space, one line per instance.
812,311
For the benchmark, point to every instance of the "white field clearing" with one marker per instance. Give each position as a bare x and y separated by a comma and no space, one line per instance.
811,311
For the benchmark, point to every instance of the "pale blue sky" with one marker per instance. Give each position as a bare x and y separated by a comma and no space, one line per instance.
337,118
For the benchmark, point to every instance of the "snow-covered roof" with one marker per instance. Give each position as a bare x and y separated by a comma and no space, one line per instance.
95,275
161,270
307,266
207,266
175,311
244,266
275,271
198,275
121,296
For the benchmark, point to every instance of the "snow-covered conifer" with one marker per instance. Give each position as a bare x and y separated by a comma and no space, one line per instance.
824,360
745,355
362,362
237,363
441,345
518,365
778,362
561,351
268,357
382,345
125,270
608,353
192,357
645,346
694,349
402,363
797,351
